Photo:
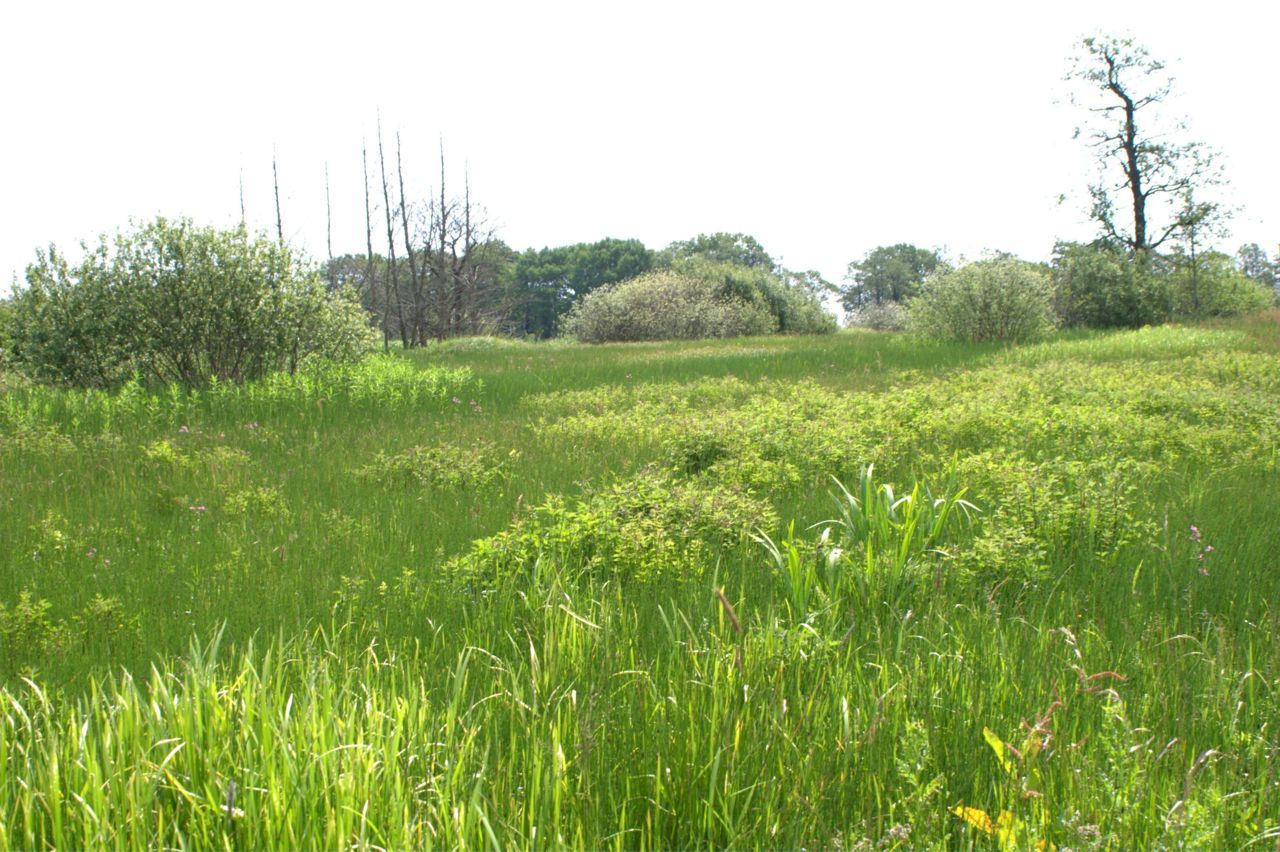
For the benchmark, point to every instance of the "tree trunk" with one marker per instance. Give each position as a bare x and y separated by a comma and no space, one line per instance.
1132,164
275,182
391,243
369,264
414,278
328,229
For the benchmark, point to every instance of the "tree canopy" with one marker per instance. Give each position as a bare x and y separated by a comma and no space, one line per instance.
1254,263
740,249
549,281
176,302
1149,174
889,274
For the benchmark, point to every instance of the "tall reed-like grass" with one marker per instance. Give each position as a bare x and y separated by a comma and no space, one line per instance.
622,666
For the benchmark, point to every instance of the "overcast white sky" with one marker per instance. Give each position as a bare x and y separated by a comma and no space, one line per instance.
823,129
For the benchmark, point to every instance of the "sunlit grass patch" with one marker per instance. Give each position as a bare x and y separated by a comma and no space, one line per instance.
614,597
446,466
380,383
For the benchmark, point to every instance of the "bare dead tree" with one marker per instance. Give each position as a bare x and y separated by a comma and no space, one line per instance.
275,181
460,298
243,220
415,277
391,244
438,259
328,228
369,262
1151,170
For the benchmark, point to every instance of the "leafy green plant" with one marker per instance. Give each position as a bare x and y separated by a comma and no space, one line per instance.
1099,285
881,544
30,633
6,335
177,303
641,527
664,305
444,466
28,629
262,502
1210,285
620,665
895,532
795,309
1002,299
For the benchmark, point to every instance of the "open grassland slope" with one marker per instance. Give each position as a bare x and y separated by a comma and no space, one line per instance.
853,591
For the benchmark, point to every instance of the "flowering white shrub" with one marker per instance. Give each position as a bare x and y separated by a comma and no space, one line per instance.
664,305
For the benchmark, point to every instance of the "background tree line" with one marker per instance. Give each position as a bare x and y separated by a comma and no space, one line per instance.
495,289
1155,257
181,303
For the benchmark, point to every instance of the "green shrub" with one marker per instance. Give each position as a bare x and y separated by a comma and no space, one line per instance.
443,466
177,303
878,316
6,333
1001,299
697,298
1212,286
665,305
796,310
29,632
649,525
1101,286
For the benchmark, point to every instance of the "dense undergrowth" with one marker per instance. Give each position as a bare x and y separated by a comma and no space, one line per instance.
836,592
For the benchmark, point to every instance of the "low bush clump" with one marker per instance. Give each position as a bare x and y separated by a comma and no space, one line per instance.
665,305
1002,299
794,308
650,525
6,333
1103,286
696,299
444,466
878,316
1099,285
176,303
1212,286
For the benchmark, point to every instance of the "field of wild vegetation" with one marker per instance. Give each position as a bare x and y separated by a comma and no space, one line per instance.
854,591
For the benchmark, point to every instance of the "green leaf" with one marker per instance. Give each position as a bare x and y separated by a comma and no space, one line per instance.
998,746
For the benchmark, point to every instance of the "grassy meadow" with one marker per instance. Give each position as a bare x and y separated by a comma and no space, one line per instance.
854,591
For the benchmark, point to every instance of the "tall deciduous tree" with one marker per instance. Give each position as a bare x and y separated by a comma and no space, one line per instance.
465,292
551,280
394,296
741,249
888,274
1146,167
1253,262
1201,223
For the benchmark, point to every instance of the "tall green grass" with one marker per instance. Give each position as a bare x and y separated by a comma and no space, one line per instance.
509,595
